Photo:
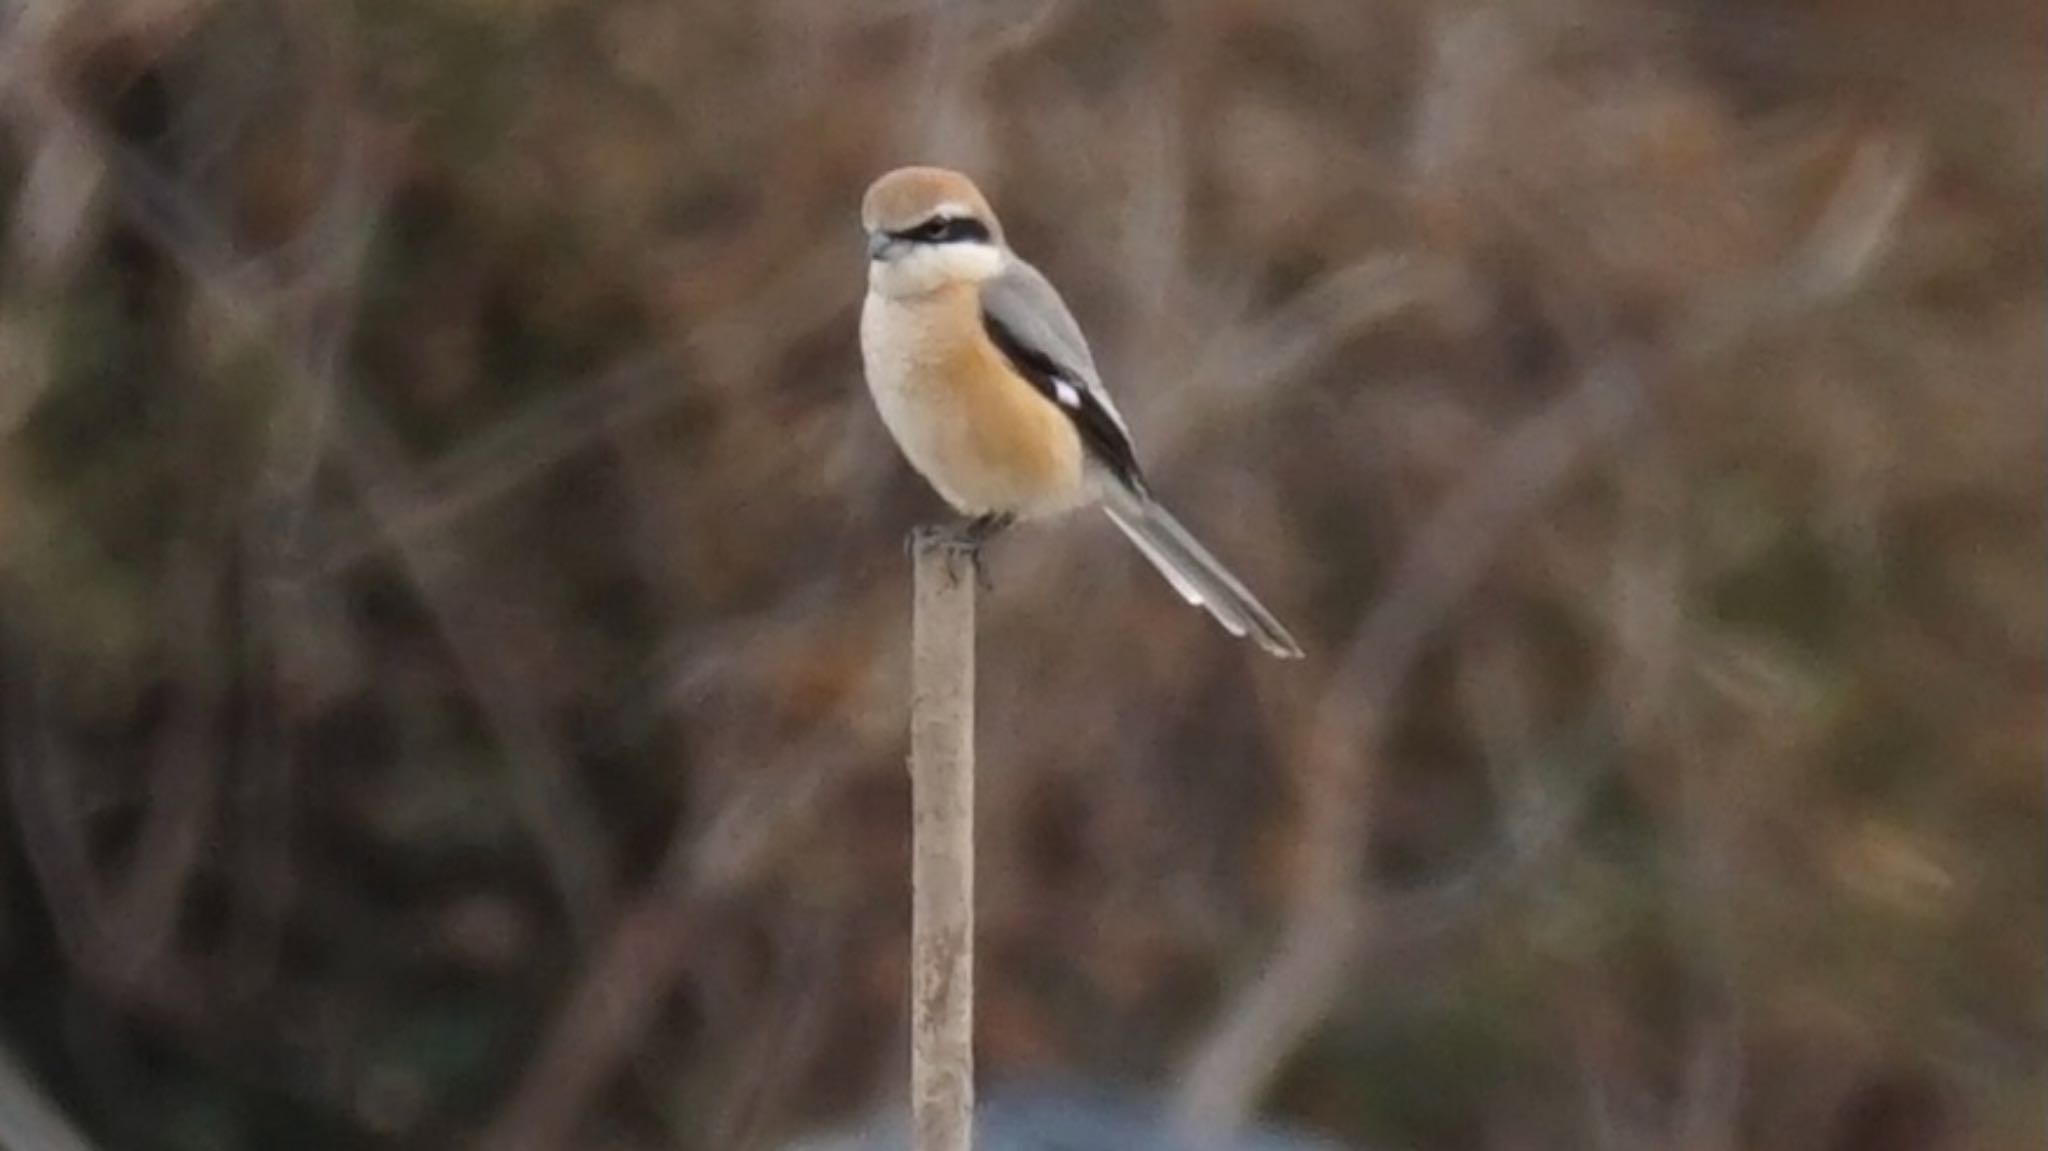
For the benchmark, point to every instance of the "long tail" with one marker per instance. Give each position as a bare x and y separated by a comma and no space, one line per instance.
1199,577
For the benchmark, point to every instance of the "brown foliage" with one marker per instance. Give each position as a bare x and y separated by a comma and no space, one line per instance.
454,604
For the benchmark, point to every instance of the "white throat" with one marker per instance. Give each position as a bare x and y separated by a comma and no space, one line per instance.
928,267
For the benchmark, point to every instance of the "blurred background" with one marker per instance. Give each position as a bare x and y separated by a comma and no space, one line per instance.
453,610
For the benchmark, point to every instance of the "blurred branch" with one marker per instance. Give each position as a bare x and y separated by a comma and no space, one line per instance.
297,653
183,779
512,453
245,297
1474,55
1326,931
948,96
1858,222
753,831
633,970
1025,32
1646,589
771,1059
57,211
1248,367
603,1019
1855,229
543,787
1332,910
122,938
46,818
29,1121
1704,856
574,416
92,932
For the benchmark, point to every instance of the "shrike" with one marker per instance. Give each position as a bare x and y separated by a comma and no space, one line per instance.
983,377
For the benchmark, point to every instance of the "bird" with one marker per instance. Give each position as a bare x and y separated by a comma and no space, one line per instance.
984,380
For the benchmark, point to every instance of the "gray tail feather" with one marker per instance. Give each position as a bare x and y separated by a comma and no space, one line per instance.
1199,577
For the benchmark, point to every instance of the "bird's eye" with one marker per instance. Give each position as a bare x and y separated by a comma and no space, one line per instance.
946,230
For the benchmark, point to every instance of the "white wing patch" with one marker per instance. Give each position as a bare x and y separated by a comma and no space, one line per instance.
1069,395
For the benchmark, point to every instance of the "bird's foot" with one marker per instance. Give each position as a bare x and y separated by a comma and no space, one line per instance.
964,539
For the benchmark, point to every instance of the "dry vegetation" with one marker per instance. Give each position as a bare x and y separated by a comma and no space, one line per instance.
453,602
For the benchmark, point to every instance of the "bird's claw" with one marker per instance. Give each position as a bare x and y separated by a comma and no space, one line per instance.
963,540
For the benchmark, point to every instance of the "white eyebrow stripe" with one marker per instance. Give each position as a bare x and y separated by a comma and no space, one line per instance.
952,208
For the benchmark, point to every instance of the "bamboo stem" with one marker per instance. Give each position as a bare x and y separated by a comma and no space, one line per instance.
942,843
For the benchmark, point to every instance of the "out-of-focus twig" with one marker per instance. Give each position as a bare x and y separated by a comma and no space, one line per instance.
29,1121
46,818
604,1018
57,211
1232,1065
1856,227
1474,56
1332,912
295,652
152,201
543,787
772,1057
646,951
948,97
512,453
183,781
88,918
1251,365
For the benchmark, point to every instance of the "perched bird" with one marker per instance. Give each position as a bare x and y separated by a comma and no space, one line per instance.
983,378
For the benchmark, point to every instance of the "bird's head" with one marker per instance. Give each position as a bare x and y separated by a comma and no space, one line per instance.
928,228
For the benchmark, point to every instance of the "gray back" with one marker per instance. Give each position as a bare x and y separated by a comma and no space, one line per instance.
1024,301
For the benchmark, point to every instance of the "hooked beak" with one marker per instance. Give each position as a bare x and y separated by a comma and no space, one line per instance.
880,244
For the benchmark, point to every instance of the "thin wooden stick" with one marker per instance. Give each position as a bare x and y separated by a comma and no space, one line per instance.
942,843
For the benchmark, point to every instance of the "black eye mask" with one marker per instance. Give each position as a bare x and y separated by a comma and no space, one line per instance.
945,230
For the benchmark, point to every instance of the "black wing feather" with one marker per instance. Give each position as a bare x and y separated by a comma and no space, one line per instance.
1100,432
